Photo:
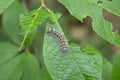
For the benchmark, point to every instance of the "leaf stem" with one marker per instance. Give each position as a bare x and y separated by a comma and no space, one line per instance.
43,5
23,41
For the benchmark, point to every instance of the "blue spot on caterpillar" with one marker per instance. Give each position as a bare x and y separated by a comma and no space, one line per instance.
60,38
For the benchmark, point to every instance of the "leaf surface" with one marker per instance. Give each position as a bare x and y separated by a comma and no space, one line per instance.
30,22
116,67
107,70
5,4
7,51
81,9
43,74
33,19
31,67
108,5
11,21
13,69
76,64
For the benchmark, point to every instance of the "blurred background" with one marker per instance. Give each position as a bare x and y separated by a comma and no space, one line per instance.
75,30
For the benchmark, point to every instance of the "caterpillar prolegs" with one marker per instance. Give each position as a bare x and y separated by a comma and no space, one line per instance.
60,38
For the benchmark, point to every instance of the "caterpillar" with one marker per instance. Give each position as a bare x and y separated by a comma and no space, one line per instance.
60,38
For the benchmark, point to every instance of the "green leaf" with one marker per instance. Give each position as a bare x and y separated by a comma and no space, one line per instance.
80,9
33,19
31,67
108,5
76,64
43,74
29,22
11,21
13,69
7,51
116,67
5,4
31,36
54,17
107,70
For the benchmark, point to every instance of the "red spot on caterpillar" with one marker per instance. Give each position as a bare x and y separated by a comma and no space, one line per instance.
60,38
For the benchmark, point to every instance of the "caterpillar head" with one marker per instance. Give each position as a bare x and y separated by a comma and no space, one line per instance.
50,30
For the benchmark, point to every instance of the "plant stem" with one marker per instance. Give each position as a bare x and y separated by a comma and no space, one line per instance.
43,5
23,41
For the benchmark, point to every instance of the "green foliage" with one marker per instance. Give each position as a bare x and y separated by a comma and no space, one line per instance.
12,69
17,67
76,64
116,67
81,9
31,67
29,22
33,19
43,74
11,21
7,51
107,70
114,9
5,4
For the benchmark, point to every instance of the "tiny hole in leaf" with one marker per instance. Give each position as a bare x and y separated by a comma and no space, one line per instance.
98,2
33,15
95,62
90,53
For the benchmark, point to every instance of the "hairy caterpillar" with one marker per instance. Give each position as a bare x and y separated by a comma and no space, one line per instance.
60,38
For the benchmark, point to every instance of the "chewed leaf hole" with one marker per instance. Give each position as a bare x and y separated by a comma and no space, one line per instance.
95,62
114,19
90,53
33,15
99,2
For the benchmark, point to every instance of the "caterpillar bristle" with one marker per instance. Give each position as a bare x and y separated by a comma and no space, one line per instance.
60,38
